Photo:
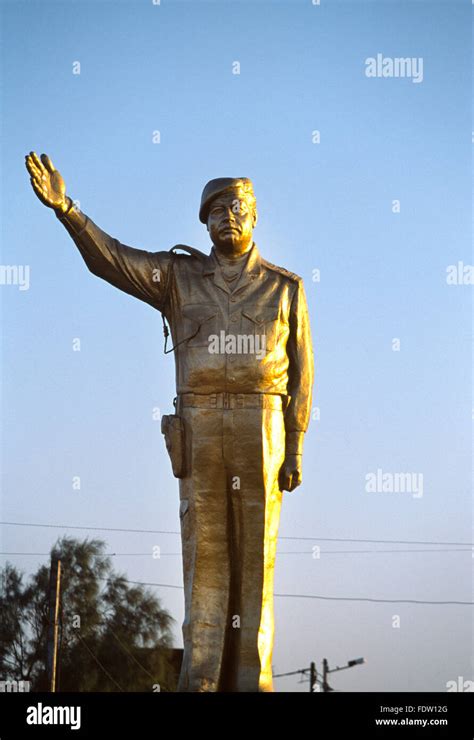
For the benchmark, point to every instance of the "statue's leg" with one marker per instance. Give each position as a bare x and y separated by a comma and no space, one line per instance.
254,452
203,513
274,454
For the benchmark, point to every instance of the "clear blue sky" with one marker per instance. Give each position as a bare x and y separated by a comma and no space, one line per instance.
326,207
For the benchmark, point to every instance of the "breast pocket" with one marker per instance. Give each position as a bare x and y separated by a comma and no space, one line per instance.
198,323
263,323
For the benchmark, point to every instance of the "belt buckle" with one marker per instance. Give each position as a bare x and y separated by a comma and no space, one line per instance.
226,400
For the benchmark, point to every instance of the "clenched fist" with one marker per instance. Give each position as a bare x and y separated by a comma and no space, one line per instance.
47,182
291,474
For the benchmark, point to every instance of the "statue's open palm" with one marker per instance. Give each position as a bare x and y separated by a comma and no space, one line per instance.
46,181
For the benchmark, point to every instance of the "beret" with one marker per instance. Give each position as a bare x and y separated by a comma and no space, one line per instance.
218,186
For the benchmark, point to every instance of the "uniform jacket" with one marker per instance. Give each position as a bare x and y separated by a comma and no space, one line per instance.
268,305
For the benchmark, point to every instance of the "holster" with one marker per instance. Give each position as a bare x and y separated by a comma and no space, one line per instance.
172,426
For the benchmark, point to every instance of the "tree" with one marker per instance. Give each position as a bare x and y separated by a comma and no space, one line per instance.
112,635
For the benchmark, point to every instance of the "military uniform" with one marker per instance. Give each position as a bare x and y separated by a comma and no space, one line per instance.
242,411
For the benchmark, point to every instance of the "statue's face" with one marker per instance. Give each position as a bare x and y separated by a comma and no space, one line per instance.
230,223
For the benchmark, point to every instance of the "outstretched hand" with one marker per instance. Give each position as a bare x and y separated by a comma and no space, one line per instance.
47,182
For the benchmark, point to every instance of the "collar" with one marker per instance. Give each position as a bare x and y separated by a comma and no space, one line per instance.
253,265
251,270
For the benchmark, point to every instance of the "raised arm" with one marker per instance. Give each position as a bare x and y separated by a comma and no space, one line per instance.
137,272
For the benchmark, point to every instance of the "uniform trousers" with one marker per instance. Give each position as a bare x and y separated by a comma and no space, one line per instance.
229,511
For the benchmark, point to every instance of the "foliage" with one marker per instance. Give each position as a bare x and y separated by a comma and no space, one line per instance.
112,635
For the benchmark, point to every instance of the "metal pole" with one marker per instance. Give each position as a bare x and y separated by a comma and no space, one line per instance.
53,624
325,675
312,677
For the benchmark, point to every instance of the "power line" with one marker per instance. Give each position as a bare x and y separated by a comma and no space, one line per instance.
285,552
125,649
96,529
310,596
324,598
304,673
361,552
146,583
99,663
283,537
378,601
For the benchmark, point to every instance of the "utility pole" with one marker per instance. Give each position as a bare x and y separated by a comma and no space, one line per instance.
53,623
312,677
326,686
314,682
326,670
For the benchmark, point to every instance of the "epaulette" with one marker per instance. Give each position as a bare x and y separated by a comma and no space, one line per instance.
281,270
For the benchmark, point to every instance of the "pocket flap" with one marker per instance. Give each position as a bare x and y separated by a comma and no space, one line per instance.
198,313
261,314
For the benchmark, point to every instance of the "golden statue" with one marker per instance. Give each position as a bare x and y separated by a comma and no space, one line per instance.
244,377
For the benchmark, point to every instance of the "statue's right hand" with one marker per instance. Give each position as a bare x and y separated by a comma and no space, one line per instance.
47,182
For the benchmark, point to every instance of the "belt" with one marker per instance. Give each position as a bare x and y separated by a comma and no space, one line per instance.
232,400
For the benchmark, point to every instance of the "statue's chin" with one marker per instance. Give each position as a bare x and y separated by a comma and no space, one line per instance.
230,246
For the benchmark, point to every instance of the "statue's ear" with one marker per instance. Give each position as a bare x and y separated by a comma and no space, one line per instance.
255,217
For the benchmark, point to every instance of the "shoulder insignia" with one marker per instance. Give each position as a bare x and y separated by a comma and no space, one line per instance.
281,270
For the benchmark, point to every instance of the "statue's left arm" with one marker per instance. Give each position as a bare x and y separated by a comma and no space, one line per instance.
300,388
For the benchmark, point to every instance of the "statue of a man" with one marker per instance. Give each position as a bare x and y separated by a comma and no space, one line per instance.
244,377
